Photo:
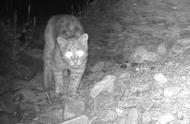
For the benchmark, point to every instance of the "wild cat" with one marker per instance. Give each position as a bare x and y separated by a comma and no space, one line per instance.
66,48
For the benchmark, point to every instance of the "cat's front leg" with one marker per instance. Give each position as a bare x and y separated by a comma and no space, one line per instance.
60,87
75,79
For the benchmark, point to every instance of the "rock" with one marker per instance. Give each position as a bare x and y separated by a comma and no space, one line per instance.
160,78
184,41
147,105
171,91
6,118
123,75
185,93
97,67
73,108
156,114
176,49
96,76
34,108
162,49
120,112
53,112
165,119
146,117
133,116
36,82
83,119
141,54
120,121
27,94
107,84
186,121
7,105
186,105
109,116
98,122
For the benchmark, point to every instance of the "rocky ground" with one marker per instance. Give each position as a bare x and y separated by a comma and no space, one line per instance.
137,73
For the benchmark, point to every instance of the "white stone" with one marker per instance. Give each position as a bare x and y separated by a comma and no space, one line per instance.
120,112
146,117
171,91
107,84
165,119
159,77
186,121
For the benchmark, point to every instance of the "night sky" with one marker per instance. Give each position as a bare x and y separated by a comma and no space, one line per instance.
41,7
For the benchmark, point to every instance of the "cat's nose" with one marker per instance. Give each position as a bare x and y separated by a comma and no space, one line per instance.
75,61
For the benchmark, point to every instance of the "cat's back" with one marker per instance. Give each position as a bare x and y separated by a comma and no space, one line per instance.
66,25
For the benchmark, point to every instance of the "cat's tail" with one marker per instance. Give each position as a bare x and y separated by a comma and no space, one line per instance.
48,75
48,49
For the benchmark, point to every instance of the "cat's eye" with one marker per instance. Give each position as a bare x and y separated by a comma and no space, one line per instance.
80,53
68,54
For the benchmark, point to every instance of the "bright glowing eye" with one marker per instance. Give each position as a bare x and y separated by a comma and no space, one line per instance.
80,53
69,54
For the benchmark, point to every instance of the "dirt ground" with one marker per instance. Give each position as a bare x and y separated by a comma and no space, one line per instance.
137,71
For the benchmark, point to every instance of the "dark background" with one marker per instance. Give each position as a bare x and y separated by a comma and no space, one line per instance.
41,8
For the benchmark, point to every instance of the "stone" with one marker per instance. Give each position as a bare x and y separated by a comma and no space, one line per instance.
83,119
7,105
141,54
186,121
98,122
106,84
147,105
95,76
97,67
184,41
171,91
53,112
185,93
160,78
109,116
161,49
120,112
133,116
146,117
6,118
120,121
165,119
73,108
36,82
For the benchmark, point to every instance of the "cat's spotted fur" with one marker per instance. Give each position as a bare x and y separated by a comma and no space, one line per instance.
66,48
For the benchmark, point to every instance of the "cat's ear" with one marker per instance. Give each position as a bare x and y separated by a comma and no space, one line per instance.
61,41
84,39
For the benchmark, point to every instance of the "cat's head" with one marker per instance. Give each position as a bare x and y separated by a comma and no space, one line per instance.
74,50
